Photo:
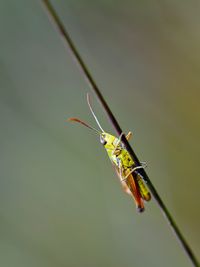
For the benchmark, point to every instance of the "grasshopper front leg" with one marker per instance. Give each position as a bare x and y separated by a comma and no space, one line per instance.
128,137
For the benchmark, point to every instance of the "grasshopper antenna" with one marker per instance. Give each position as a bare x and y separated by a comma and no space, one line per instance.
90,107
83,123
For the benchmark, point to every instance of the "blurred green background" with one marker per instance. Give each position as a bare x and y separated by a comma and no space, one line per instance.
60,202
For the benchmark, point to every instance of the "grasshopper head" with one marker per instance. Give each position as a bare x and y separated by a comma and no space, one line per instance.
107,140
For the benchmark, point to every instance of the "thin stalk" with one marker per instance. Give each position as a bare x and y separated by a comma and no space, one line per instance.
87,75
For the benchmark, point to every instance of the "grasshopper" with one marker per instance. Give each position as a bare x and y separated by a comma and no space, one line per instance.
132,182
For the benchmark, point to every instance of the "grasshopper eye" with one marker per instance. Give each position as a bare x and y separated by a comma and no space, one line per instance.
102,140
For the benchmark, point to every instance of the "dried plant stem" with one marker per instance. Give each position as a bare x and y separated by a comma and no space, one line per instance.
85,72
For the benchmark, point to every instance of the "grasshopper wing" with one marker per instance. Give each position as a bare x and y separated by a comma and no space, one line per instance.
131,187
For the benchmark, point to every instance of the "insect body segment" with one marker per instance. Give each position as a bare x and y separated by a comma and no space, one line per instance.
116,151
132,182
143,189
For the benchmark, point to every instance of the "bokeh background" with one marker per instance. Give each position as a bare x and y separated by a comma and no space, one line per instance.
60,202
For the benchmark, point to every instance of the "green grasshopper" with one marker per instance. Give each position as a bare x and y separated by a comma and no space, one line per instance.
132,182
